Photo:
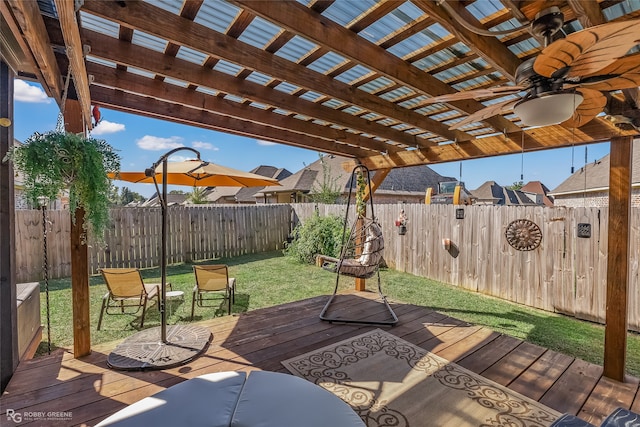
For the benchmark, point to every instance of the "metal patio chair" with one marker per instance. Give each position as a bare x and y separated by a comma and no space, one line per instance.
213,279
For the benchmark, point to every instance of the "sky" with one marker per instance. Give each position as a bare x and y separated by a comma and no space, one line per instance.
140,141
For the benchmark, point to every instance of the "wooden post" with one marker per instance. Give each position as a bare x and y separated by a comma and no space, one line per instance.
79,255
615,336
9,356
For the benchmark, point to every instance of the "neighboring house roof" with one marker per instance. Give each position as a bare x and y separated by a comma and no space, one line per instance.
538,188
172,199
496,194
245,194
401,180
595,176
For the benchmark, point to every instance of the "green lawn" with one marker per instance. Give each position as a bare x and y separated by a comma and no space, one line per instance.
269,279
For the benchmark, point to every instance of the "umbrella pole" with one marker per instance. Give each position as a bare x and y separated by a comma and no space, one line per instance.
163,255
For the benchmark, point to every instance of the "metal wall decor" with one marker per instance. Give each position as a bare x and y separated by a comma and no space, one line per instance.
584,230
523,235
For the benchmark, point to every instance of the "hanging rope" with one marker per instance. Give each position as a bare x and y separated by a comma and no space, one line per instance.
522,159
46,274
60,125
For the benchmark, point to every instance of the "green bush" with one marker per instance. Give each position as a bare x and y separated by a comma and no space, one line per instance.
318,235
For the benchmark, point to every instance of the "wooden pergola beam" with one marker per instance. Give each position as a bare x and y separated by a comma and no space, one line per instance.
145,106
75,53
27,16
301,20
111,49
598,130
336,141
615,333
144,15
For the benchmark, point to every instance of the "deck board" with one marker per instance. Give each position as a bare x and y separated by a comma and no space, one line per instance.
262,338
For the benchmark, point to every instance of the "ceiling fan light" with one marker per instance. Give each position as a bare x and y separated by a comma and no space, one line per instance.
550,109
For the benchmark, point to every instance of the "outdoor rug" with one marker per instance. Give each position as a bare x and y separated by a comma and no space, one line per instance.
391,382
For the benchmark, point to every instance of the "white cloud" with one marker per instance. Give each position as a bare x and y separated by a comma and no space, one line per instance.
204,145
24,92
265,143
156,143
105,127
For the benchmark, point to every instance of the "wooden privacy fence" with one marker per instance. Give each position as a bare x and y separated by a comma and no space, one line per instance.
133,238
565,274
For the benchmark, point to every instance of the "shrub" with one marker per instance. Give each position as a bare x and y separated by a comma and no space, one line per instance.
318,235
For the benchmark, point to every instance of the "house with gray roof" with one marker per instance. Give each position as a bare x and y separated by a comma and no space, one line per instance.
406,185
589,185
492,193
244,195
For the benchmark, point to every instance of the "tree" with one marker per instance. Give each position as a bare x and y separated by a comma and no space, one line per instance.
177,192
516,185
328,192
127,196
198,196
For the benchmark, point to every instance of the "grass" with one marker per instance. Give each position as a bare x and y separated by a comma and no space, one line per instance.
269,279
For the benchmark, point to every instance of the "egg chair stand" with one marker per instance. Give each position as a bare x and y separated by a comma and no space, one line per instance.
361,254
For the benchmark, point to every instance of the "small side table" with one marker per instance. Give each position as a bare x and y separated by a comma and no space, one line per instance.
172,296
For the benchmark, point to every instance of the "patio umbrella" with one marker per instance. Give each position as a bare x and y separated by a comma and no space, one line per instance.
140,351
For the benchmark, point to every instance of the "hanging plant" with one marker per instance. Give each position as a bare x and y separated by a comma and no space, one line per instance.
56,161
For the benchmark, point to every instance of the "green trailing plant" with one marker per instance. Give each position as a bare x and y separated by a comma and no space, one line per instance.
318,235
57,161
361,186
328,192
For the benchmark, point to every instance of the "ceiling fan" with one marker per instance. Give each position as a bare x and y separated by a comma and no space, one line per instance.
567,81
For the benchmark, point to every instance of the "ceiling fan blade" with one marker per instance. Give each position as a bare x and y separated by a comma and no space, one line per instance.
475,94
625,74
485,113
592,105
590,50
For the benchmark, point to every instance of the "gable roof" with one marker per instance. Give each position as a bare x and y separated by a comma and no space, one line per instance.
537,187
493,192
594,176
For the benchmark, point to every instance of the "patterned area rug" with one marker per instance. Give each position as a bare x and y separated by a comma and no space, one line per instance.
391,382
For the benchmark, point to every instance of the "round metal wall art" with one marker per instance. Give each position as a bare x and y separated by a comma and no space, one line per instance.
523,235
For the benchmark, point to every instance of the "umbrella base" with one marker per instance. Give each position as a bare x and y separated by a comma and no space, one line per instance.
145,351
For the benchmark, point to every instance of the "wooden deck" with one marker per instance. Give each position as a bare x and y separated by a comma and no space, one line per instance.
262,338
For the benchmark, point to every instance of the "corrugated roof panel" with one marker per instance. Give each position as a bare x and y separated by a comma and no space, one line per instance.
320,122
353,110
387,122
306,2
296,49
261,79
326,62
484,8
455,72
375,85
507,25
259,33
413,102
311,96
258,105
397,93
168,5
622,8
345,11
147,40
191,55
428,109
99,25
140,72
207,90
227,67
370,116
217,15
352,74
391,22
524,46
281,112
401,126
234,98
175,82
333,103
419,40
442,116
287,87
477,81
302,117
101,61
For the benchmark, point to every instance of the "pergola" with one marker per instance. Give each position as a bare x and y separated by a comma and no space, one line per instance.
347,77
